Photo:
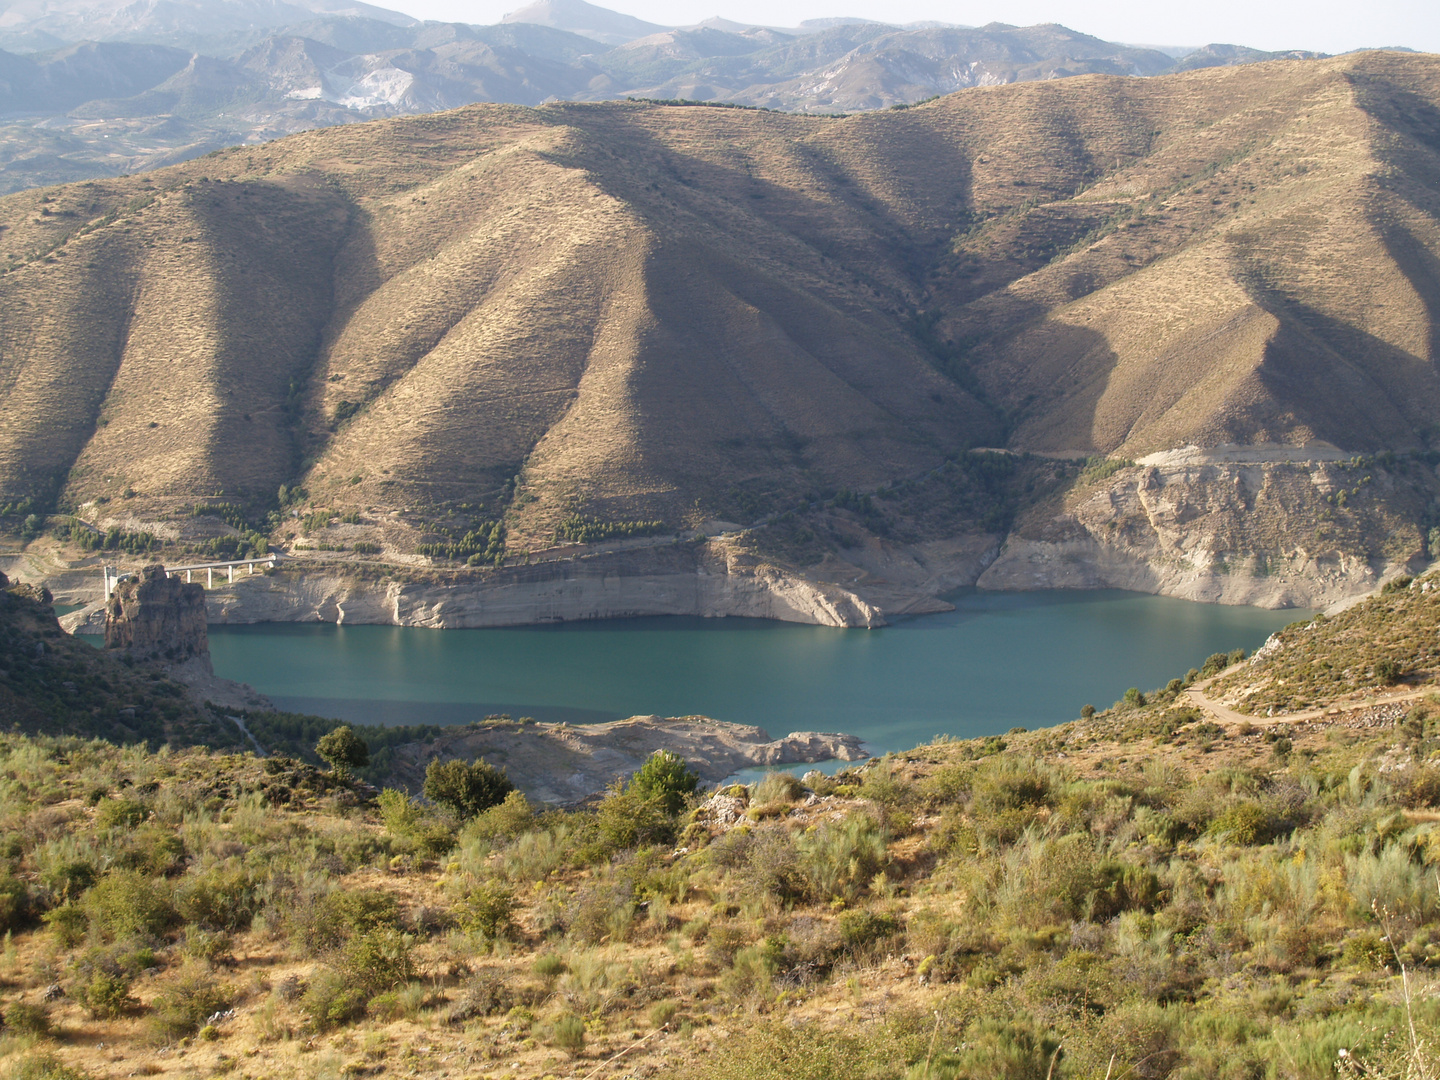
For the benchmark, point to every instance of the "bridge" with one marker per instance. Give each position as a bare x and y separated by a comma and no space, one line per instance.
113,576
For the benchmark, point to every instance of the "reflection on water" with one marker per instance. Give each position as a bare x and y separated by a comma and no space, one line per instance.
997,661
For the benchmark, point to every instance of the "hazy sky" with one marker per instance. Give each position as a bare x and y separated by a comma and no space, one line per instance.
1323,25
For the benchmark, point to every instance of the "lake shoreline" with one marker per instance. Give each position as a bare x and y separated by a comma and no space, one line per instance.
992,662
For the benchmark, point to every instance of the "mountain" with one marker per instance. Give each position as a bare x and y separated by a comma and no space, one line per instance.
628,314
77,110
852,67
587,20
179,22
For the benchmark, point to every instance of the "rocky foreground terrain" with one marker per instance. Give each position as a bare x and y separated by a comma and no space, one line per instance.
1233,872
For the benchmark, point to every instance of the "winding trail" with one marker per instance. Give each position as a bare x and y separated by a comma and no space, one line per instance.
1214,709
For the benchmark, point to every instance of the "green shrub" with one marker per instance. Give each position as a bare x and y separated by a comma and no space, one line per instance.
69,923
186,1004
152,850
376,960
107,996
27,1018
839,859
752,971
627,818
330,1000
487,909
567,1033
119,814
466,788
125,903
861,928
14,901
344,750
1388,672
503,823
775,787
221,898
1244,823
344,914
1367,951
210,946
69,878
997,1050
44,1067
548,966
409,820
667,778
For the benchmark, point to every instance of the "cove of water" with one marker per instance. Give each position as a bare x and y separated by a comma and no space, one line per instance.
998,661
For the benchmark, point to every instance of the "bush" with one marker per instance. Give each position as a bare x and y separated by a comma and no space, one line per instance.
840,858
69,923
69,878
1244,824
107,996
124,903
344,914
778,787
186,1004
484,995
487,909
997,1050
119,814
152,850
666,778
505,822
27,1018
14,901
1388,672
568,1033
221,898
628,818
411,821
466,788
377,960
344,750
330,1000
861,928
44,1067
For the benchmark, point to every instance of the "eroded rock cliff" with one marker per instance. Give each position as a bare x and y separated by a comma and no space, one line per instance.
674,580
158,618
1273,529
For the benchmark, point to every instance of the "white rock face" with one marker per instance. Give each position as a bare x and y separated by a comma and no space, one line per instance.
1264,533
553,592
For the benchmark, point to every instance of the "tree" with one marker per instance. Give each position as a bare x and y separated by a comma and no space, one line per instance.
466,788
667,778
344,750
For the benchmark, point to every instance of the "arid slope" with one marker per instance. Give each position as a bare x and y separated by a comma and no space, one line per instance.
653,313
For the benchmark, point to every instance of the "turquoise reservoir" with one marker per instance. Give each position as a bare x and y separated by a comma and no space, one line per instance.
999,660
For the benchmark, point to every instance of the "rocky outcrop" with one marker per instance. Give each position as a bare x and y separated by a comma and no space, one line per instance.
564,763
158,618
1303,531
681,579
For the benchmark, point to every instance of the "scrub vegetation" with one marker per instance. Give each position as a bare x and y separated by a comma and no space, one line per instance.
1144,891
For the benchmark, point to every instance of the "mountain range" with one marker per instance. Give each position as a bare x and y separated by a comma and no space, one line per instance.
100,89
636,313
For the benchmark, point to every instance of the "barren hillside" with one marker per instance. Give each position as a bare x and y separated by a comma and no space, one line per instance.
652,314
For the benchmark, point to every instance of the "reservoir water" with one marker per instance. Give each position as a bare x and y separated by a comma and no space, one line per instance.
999,660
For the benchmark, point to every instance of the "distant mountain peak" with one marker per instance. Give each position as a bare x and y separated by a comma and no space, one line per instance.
588,20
